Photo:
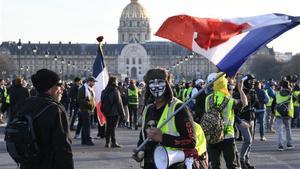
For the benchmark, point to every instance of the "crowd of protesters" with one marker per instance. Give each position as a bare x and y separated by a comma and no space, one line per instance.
265,99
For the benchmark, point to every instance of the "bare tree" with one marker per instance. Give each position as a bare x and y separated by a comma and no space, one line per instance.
267,67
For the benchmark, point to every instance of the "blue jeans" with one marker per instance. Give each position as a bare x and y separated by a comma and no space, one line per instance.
296,119
132,115
86,127
269,118
259,116
247,135
287,124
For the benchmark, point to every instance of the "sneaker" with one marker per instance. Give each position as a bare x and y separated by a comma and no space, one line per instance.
116,145
249,166
280,148
263,138
239,139
290,147
107,145
90,143
273,130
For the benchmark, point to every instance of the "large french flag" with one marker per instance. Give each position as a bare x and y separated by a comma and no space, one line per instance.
101,75
226,42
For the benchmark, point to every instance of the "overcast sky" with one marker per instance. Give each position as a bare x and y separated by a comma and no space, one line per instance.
81,21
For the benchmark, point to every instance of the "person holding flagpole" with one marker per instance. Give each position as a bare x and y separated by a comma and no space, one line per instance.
181,133
101,75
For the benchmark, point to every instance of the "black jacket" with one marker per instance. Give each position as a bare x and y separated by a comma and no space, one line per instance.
52,132
116,102
17,94
74,93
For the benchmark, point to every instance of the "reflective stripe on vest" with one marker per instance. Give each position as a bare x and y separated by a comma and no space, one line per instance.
133,96
227,113
170,128
184,94
297,95
189,91
6,96
281,99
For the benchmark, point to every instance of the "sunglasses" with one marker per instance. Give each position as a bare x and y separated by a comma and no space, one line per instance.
59,83
151,125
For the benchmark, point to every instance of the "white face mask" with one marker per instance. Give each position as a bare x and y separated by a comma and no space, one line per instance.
157,87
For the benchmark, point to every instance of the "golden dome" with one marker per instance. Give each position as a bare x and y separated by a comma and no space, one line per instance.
134,10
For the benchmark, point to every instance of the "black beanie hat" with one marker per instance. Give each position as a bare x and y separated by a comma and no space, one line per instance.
44,79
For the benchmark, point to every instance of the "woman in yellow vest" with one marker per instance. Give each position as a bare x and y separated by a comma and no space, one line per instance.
179,134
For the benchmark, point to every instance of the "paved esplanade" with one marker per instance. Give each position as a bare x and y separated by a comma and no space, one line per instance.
264,155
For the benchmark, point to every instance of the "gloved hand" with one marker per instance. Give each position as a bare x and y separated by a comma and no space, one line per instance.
138,156
191,153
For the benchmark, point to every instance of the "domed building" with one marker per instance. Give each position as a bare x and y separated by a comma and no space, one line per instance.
132,56
134,24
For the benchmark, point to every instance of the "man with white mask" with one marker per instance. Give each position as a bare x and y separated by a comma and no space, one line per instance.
179,134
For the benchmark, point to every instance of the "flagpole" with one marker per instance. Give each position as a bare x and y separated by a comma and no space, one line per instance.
177,110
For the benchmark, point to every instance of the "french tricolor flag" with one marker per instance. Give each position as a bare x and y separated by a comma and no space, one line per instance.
226,42
101,75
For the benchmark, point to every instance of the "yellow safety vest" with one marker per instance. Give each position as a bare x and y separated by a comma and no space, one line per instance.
171,129
227,113
297,95
281,99
133,96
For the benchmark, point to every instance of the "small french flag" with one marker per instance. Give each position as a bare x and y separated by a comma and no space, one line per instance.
101,75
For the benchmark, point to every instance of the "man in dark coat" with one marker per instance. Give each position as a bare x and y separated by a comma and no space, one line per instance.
51,127
74,105
87,104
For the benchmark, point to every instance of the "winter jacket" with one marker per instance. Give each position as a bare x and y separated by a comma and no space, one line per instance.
52,133
17,94
116,103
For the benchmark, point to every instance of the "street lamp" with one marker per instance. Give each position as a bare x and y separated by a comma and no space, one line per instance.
55,60
22,67
19,44
62,68
27,72
68,68
46,58
34,50
3,74
74,72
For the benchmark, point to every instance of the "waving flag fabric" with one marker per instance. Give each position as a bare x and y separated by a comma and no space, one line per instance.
226,42
101,75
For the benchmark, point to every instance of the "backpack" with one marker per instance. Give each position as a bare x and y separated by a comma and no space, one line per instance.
106,102
21,142
212,122
283,108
